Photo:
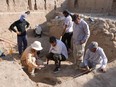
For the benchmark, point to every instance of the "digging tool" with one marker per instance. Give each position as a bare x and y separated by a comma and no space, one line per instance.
80,74
85,72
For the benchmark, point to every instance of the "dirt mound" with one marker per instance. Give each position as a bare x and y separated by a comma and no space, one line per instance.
103,31
12,75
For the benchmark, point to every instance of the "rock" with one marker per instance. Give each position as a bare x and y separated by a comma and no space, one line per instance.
113,30
110,23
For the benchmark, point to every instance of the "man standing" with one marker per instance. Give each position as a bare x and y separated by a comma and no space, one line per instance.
68,30
57,52
95,58
81,34
21,26
29,58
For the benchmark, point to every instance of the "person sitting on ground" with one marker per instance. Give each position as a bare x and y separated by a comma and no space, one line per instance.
95,58
38,31
30,59
57,52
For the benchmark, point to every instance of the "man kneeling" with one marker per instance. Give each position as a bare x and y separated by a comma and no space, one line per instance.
57,52
29,57
95,58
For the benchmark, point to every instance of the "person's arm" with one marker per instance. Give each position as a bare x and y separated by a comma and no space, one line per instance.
11,28
86,57
87,33
50,49
30,62
104,63
27,24
64,30
66,23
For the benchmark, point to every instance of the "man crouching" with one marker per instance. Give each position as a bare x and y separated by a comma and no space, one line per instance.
95,58
29,57
57,52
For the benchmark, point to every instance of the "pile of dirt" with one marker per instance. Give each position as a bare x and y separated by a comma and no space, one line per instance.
103,31
12,75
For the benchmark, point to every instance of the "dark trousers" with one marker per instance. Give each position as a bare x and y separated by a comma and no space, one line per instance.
67,39
22,43
57,58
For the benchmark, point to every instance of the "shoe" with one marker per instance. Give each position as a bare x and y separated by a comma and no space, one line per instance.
56,70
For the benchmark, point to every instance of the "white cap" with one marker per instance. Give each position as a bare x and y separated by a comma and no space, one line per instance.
92,45
36,45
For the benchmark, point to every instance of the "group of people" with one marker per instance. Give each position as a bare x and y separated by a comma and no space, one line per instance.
76,29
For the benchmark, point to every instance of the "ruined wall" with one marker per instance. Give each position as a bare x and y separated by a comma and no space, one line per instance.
91,5
22,5
41,11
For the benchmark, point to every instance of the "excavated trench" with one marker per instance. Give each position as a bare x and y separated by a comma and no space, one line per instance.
103,31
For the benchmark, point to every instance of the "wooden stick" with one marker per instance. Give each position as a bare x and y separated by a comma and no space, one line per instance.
80,74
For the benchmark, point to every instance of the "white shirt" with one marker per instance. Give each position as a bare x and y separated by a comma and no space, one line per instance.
38,29
60,48
68,21
98,57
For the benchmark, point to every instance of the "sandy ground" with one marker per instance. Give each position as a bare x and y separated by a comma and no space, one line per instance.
46,74
65,76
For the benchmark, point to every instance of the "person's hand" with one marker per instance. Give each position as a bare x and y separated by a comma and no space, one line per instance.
82,42
41,66
18,33
87,67
38,67
103,70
